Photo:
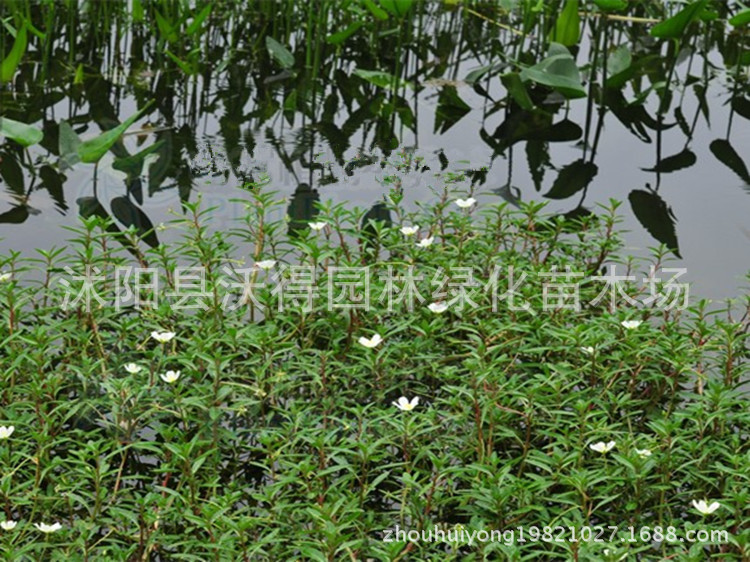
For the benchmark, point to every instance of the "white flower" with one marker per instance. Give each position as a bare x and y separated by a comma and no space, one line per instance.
8,525
438,307
409,230
170,376
133,369
4,277
465,203
588,350
426,242
6,432
44,528
265,264
602,447
405,404
317,225
161,227
374,341
705,508
643,453
163,337
631,324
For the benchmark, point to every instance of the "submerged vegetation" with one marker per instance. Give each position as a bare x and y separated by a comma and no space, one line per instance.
179,391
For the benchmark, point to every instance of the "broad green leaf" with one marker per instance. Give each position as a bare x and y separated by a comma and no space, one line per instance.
198,20
68,142
558,71
23,134
382,79
611,5
568,25
92,150
10,63
572,179
344,34
516,88
740,18
279,53
656,217
674,27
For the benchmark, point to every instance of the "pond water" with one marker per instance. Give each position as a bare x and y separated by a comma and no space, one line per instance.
435,87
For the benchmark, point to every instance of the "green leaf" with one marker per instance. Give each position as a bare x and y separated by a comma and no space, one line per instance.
611,5
674,27
344,34
398,8
477,73
740,18
137,11
78,77
559,71
133,165
572,179
186,67
198,20
382,79
517,90
279,53
165,28
375,10
10,63
92,150
568,25
23,134
68,142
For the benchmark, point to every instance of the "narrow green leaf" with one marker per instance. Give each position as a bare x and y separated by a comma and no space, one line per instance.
382,79
375,10
517,90
10,63
198,20
344,34
674,27
611,5
92,150
568,25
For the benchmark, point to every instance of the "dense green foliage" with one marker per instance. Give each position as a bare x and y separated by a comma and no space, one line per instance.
280,441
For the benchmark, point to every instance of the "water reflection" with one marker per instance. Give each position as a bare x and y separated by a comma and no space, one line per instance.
320,99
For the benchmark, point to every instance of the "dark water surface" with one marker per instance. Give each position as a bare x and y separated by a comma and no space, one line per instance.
321,131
